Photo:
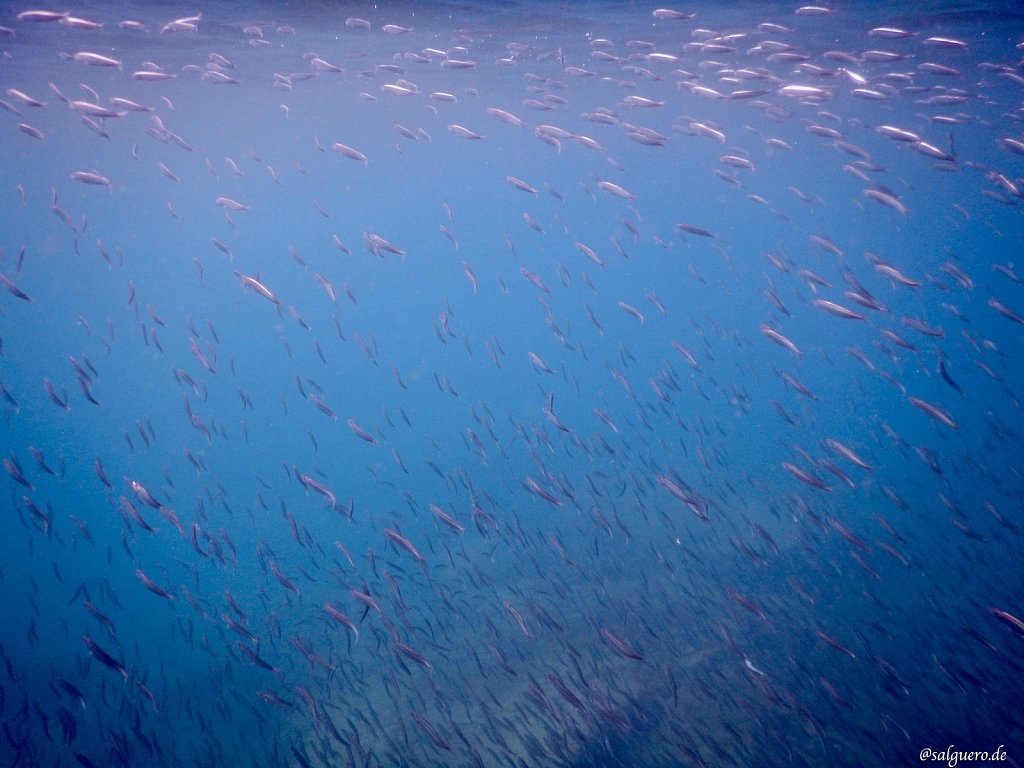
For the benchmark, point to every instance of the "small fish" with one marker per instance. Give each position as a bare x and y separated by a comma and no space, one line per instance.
346,151
13,289
92,177
934,412
361,433
621,646
465,133
404,543
152,586
105,658
96,60
837,309
231,205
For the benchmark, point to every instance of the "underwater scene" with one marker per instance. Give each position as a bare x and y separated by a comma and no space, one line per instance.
512,384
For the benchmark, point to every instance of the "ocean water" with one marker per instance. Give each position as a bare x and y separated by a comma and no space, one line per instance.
511,384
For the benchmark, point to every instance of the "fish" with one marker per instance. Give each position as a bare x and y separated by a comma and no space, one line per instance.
149,584
258,287
615,189
32,131
692,229
13,289
254,657
361,433
837,309
412,654
432,733
231,205
621,647
518,619
447,519
832,642
105,658
92,177
521,185
1015,623
847,453
773,335
96,59
339,616
631,310
464,133
353,154
41,16
403,543
805,477
933,411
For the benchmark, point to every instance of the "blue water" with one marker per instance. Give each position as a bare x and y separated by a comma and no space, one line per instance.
648,546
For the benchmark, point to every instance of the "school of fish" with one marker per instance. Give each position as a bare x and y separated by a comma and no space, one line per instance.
541,385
